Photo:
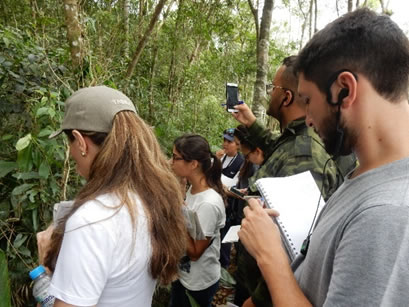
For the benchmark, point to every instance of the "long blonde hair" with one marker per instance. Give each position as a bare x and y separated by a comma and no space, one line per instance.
130,159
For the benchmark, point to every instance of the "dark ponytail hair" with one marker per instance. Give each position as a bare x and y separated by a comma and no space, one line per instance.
243,134
195,147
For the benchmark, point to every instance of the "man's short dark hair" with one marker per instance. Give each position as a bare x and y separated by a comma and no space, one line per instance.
362,42
289,77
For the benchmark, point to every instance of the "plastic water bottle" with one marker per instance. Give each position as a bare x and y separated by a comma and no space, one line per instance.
41,285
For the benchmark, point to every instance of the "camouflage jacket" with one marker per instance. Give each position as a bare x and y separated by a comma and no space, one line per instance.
296,150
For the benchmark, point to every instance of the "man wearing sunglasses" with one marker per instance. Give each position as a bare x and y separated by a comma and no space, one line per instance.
296,150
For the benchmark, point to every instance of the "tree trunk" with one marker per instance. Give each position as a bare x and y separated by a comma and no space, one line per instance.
349,6
151,82
145,38
73,32
384,8
310,19
142,8
315,16
262,59
337,7
303,25
126,6
172,77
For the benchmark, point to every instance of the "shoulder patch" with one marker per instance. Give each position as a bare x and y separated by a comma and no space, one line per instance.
302,146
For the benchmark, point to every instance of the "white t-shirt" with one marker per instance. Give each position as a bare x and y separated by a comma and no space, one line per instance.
103,261
210,210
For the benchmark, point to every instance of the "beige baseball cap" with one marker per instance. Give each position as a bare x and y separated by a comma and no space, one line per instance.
93,109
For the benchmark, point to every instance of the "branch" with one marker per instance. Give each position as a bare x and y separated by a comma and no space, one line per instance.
255,15
145,38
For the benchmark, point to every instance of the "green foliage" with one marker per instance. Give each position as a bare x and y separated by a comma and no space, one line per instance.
31,166
192,301
5,295
178,87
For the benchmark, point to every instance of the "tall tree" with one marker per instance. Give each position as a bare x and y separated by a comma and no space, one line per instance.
315,16
350,5
74,31
145,38
310,18
125,8
263,38
305,16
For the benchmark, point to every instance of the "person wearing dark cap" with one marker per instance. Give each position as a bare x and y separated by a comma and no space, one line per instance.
103,252
232,160
230,157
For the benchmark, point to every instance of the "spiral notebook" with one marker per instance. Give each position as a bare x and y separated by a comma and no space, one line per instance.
296,199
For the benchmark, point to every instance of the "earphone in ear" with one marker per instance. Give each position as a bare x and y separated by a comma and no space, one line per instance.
342,94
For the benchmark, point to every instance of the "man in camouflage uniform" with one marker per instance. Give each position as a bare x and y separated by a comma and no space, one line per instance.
296,150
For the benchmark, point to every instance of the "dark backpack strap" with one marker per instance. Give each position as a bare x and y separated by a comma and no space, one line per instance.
234,168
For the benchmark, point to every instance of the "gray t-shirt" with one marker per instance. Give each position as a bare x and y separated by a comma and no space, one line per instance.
205,271
358,255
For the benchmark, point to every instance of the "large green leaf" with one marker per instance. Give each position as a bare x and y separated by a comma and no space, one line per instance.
19,240
27,176
23,142
24,159
42,111
43,170
5,295
22,188
192,301
6,167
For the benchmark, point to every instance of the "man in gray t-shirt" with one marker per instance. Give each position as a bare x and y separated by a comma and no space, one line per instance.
354,77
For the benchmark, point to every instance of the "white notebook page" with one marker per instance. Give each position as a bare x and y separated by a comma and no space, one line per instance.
296,199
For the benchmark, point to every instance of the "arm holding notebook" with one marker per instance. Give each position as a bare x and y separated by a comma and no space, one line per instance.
261,237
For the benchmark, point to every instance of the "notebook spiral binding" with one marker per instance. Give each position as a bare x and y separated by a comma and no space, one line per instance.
285,237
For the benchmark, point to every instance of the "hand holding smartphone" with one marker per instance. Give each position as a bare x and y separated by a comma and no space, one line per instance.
232,96
237,192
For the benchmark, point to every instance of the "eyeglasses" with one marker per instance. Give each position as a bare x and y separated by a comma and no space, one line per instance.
271,87
229,131
176,158
246,156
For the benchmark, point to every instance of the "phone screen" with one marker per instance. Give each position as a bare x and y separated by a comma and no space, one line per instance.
236,191
232,96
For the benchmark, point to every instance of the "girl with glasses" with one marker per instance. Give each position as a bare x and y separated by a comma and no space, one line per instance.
200,273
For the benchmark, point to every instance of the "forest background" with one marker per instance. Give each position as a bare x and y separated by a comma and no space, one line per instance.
171,57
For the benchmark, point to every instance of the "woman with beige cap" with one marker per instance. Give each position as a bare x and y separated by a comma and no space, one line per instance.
123,231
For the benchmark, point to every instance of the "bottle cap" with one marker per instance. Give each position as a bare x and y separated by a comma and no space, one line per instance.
37,272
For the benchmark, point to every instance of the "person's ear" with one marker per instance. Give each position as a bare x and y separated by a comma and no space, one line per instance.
289,97
194,164
259,152
347,91
82,144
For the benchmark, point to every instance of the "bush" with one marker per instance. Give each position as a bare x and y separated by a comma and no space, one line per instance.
33,169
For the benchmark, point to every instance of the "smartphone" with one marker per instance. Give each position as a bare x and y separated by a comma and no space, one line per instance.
236,191
232,96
